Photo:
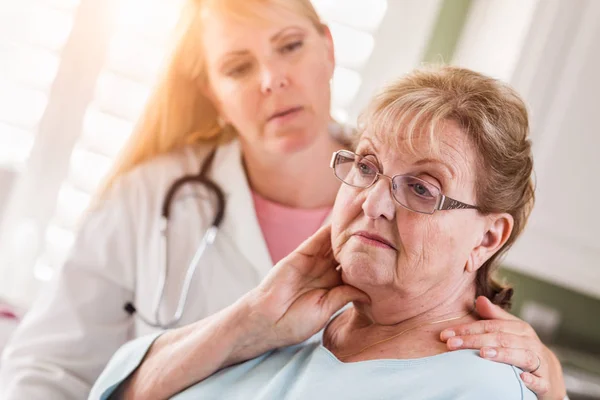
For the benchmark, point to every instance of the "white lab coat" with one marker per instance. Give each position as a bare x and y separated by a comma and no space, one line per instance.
79,322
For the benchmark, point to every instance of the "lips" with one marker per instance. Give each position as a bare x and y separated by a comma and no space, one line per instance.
284,112
375,238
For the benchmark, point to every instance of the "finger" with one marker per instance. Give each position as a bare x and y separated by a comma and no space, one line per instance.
339,296
539,386
525,359
500,339
318,244
486,326
486,309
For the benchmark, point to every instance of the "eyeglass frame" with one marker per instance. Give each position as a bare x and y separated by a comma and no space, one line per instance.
444,202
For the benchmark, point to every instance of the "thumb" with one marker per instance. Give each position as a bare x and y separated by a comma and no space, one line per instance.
318,244
341,295
487,310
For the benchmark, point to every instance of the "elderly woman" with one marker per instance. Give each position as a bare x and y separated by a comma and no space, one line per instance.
437,189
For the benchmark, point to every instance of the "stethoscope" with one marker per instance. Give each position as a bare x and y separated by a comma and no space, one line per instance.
208,239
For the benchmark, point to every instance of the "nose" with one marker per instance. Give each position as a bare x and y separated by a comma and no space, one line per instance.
379,201
273,78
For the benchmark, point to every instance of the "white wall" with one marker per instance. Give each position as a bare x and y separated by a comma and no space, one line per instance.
557,70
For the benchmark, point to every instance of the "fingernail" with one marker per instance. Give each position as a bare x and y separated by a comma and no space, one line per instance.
489,353
526,378
455,342
448,334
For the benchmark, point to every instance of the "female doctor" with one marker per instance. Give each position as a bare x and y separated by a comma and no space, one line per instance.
246,98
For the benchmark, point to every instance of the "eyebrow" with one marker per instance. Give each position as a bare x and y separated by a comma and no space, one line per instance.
273,39
366,144
278,35
451,172
370,144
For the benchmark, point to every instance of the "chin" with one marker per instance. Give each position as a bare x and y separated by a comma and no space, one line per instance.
364,270
291,141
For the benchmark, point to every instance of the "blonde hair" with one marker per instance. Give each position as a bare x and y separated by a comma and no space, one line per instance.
495,120
178,113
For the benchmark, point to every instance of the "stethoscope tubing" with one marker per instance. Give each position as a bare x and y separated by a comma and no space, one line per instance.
207,239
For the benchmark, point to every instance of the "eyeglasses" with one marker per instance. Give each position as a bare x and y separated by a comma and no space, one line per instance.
410,192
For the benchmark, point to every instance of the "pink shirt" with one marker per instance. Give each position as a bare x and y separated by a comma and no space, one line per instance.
284,228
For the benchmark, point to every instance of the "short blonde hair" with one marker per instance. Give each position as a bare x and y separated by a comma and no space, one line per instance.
495,120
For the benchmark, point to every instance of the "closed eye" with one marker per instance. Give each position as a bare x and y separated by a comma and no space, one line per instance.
290,47
239,70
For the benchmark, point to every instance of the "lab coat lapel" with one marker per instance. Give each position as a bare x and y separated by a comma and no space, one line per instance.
240,222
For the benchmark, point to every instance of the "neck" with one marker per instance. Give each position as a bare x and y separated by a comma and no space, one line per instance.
417,323
301,179
424,313
397,304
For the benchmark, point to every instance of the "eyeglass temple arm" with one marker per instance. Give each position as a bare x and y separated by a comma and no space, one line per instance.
447,203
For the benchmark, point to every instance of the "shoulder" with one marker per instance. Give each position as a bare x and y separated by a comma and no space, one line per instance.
168,167
151,179
483,377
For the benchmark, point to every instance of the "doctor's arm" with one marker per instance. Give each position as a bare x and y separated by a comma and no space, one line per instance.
294,301
77,323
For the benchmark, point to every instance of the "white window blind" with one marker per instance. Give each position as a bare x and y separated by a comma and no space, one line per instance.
352,24
32,35
135,53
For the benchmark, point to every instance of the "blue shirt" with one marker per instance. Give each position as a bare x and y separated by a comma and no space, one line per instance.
310,371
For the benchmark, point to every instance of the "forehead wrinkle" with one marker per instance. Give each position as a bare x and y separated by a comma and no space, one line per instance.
366,141
445,167
459,152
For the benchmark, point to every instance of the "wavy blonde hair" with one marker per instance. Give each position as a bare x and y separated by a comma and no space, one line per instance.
494,118
178,112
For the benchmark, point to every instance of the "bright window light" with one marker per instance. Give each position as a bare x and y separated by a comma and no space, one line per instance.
135,58
352,47
21,106
360,14
26,237
340,115
104,133
61,4
87,169
121,96
151,19
15,144
344,87
46,27
32,67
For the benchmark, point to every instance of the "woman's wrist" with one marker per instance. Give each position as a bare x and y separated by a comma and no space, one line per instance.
249,332
233,335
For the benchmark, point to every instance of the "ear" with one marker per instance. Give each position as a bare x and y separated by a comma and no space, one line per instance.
498,231
329,46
